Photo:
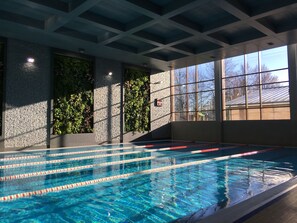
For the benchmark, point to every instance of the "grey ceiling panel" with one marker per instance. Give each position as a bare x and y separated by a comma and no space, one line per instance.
281,22
56,4
166,55
255,7
77,34
197,46
207,17
24,20
159,33
131,45
163,33
237,34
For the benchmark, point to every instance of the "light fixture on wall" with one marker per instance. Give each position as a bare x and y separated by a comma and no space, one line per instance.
30,60
109,73
81,50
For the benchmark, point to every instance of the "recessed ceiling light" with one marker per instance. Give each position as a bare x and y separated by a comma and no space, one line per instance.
30,60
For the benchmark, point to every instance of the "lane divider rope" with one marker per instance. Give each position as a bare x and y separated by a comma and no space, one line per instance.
65,154
8,166
122,176
80,152
64,170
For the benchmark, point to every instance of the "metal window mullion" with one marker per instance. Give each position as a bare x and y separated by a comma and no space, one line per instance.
187,95
223,89
172,93
292,72
260,82
196,92
245,87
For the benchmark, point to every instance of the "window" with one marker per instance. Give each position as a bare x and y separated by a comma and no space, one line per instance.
194,93
256,86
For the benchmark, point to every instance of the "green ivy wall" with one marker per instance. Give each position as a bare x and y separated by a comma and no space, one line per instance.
73,95
136,100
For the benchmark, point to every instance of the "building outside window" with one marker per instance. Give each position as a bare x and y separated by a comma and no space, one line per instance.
193,93
256,86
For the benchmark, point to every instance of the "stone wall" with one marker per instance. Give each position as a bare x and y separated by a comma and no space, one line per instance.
160,116
27,92
107,98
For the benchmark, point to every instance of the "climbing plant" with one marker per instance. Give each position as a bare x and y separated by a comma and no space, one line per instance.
1,81
137,100
73,95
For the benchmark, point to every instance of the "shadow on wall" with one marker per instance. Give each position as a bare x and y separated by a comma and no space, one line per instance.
29,94
163,132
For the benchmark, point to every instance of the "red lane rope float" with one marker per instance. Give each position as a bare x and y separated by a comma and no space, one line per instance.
122,176
172,144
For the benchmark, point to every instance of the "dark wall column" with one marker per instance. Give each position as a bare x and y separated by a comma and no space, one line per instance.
218,97
292,61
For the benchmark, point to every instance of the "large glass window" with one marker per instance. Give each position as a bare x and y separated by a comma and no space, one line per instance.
256,86
194,94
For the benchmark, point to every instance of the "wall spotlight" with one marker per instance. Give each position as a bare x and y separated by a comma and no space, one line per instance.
81,50
109,74
30,60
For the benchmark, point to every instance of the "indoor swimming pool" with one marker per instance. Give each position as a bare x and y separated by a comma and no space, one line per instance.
144,182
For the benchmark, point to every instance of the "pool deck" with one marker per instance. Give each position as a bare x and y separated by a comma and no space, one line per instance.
277,205
283,209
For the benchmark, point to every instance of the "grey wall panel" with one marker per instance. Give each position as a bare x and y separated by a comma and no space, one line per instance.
281,132
27,94
196,131
261,132
107,101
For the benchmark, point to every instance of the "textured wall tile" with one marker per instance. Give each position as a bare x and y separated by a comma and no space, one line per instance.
160,115
107,101
27,93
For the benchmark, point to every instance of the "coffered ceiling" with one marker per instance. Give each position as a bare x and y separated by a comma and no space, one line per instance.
156,33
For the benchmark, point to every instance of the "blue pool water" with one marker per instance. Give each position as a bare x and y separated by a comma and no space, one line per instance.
162,183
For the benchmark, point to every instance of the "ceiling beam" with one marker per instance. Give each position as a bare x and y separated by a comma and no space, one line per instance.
40,5
55,22
242,13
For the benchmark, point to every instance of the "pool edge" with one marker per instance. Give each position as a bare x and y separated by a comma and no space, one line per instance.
245,209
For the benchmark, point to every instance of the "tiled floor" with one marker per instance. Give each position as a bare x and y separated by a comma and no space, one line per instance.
283,210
